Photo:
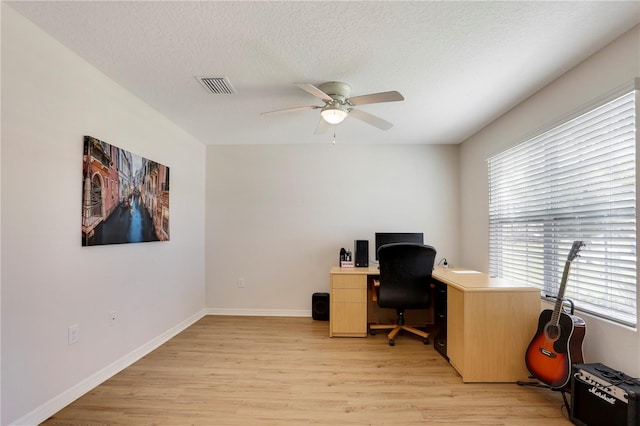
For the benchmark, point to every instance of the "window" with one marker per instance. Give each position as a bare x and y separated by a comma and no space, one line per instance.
576,181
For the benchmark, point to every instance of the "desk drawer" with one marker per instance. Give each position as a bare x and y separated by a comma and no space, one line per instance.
349,295
348,320
349,281
440,303
440,343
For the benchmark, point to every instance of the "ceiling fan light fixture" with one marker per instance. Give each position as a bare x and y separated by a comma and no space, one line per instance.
333,114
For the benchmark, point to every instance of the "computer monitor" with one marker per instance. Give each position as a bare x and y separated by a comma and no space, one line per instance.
383,238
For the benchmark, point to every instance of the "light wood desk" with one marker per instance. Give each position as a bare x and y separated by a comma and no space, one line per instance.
490,321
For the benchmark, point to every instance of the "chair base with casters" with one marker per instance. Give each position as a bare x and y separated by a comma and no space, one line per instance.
397,328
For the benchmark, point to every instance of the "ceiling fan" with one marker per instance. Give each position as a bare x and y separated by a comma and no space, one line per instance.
338,105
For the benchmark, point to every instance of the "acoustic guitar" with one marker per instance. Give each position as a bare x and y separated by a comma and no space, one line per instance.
557,344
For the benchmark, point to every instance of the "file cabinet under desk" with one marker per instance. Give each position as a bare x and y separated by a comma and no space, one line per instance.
348,300
440,318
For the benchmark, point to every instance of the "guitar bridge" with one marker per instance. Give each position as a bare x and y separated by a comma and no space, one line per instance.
547,353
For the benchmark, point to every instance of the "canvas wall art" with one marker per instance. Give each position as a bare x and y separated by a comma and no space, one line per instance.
125,197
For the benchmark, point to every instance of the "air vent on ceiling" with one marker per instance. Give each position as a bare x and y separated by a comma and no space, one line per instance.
217,85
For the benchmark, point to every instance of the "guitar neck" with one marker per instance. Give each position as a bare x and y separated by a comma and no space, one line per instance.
555,317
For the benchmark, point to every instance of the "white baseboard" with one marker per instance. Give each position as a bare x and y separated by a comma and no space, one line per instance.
54,405
259,312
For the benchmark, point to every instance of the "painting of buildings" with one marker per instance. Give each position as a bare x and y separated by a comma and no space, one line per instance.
125,197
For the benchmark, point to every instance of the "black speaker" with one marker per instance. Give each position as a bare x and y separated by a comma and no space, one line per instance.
602,396
320,306
362,252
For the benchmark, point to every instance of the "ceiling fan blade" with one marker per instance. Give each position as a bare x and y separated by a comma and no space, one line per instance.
321,127
310,88
376,98
371,119
301,108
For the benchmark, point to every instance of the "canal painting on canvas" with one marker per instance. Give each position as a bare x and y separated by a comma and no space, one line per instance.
125,197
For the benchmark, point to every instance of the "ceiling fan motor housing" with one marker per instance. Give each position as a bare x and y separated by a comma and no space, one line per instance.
336,90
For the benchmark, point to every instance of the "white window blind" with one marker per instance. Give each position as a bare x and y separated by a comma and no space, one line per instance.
576,181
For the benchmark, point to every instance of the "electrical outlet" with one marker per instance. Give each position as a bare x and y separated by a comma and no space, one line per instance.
240,282
73,334
113,318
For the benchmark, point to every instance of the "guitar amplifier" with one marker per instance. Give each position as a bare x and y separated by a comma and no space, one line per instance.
602,396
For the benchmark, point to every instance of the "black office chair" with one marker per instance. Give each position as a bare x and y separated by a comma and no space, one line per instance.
405,283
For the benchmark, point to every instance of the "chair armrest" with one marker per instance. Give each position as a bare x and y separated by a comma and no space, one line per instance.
374,293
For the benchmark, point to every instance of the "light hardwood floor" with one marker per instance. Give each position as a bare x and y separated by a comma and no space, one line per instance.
287,371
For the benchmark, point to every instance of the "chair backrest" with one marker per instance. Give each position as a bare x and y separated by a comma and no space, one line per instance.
405,275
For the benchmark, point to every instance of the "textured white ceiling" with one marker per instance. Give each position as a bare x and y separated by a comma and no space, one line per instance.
459,65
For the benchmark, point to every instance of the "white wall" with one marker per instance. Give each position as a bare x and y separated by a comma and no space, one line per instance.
277,216
611,67
50,99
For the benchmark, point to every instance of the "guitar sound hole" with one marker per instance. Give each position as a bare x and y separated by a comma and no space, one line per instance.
552,332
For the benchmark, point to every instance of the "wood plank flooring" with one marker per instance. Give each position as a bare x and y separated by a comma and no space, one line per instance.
287,371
